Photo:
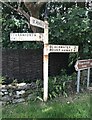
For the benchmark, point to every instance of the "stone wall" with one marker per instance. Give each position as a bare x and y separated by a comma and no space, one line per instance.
16,93
22,92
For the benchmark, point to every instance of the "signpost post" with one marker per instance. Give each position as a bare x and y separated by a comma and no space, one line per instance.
47,48
45,63
82,65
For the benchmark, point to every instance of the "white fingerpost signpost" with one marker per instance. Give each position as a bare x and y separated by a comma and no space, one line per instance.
82,65
47,47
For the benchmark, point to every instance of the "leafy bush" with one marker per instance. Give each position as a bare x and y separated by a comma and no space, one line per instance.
58,84
1,80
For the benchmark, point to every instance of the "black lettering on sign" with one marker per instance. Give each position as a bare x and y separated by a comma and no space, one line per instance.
33,21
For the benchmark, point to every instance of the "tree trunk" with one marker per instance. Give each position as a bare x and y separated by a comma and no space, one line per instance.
34,10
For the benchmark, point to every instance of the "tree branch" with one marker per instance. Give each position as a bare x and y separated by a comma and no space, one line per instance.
34,10
19,10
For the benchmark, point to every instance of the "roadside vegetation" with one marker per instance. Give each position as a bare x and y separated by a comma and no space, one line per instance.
76,106
63,101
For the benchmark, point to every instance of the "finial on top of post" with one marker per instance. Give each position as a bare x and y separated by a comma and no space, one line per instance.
46,13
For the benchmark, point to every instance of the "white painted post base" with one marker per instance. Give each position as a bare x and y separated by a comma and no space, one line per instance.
45,62
45,73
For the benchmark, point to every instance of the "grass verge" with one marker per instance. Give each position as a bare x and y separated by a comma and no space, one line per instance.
77,106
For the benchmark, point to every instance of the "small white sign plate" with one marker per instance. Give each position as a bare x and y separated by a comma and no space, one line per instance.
26,36
63,48
38,23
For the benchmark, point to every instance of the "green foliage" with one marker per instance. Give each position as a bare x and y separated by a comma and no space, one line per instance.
67,27
13,22
15,82
72,28
58,86
39,89
2,79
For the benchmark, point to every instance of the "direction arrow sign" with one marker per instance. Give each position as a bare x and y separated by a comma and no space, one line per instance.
38,23
91,63
83,64
63,48
26,36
